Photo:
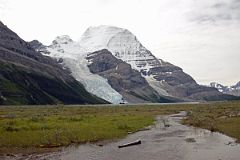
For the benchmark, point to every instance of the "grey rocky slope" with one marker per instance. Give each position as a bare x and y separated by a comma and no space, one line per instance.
128,82
28,77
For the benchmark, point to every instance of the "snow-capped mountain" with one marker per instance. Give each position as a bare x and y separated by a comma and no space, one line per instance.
122,43
232,90
219,87
112,64
165,78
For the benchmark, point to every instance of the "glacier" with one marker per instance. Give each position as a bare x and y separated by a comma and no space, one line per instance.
73,56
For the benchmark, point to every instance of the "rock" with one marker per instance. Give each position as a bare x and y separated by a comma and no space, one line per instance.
190,140
138,142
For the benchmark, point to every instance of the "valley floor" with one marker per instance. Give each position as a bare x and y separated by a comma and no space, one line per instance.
39,128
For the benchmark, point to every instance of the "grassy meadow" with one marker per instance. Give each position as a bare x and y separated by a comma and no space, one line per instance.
59,125
217,117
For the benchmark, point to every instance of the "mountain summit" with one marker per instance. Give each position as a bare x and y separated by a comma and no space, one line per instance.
122,43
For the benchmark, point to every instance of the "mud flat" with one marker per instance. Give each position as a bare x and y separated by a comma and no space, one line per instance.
166,140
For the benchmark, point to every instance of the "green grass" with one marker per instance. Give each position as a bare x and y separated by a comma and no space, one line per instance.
220,117
47,126
59,125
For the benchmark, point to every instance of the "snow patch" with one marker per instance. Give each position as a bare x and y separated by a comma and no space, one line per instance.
168,73
157,85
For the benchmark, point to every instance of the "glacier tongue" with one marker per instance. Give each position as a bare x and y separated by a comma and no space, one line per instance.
74,58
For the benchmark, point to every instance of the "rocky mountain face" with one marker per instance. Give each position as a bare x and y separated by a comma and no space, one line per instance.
28,77
111,63
38,46
231,90
236,86
128,82
219,87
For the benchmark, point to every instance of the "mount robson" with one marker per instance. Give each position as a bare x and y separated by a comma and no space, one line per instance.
107,65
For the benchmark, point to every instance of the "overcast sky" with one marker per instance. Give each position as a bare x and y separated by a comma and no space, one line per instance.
201,36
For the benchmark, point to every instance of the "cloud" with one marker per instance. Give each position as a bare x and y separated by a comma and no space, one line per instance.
215,11
5,7
206,43
3,4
